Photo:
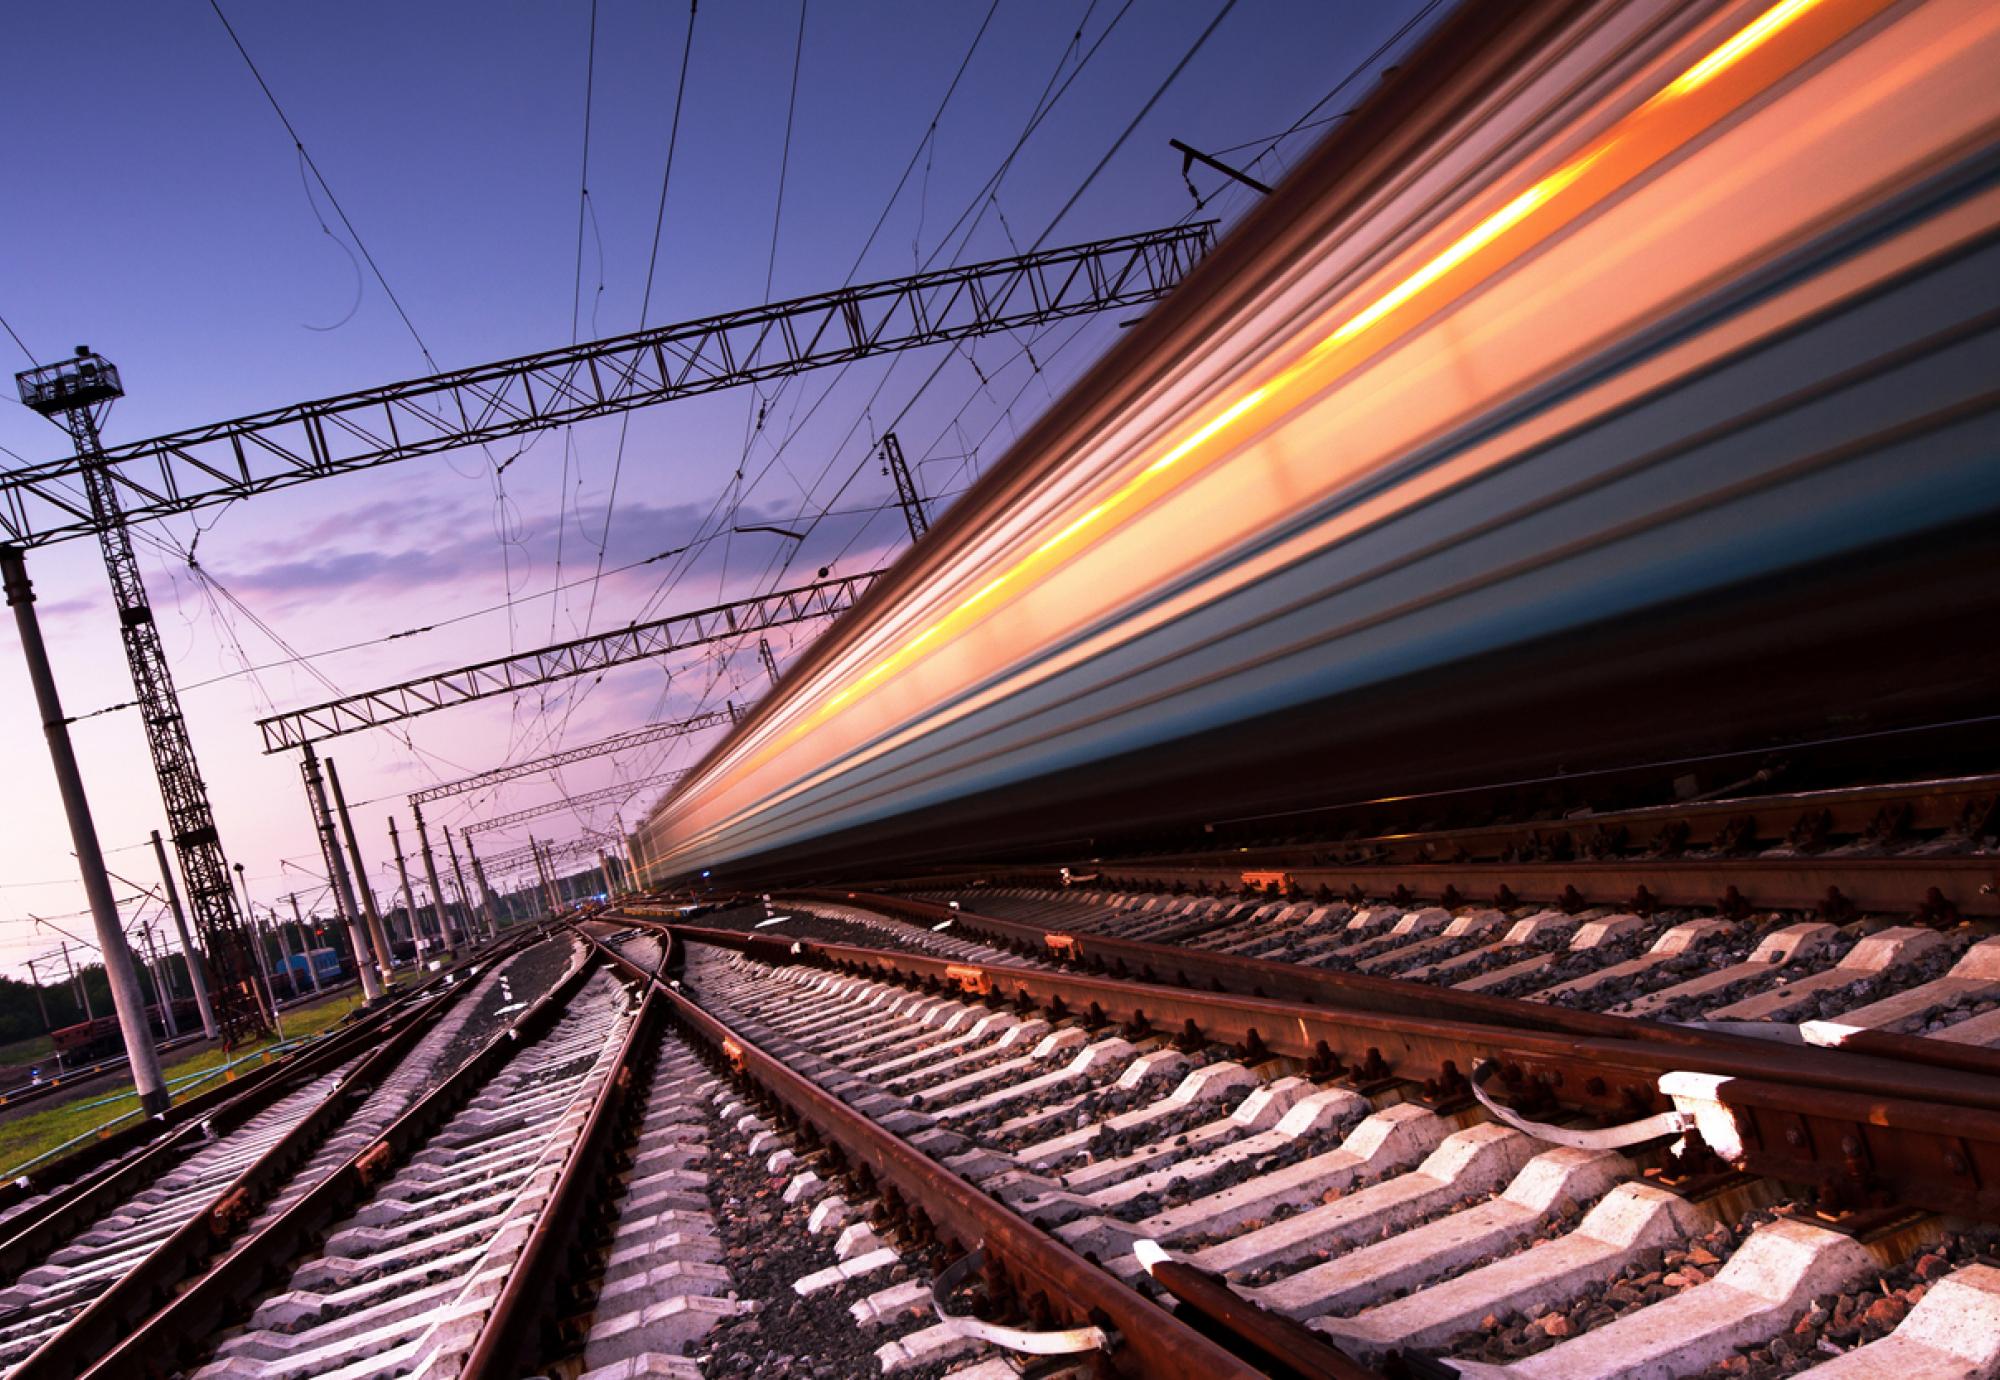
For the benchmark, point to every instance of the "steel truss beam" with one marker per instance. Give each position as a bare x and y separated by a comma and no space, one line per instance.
620,792
586,845
638,737
505,675
207,465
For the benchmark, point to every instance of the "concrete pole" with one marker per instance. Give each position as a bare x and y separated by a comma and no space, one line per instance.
464,894
409,897
257,943
292,983
635,848
431,876
305,941
542,875
160,990
76,981
384,956
629,855
197,965
485,890
126,995
343,893
604,871
40,1005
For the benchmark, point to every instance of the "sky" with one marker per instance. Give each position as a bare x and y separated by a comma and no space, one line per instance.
159,212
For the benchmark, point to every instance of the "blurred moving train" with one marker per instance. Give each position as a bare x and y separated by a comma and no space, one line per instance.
1620,379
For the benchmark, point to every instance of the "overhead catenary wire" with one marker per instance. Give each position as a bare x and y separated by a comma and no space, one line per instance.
16,336
1045,103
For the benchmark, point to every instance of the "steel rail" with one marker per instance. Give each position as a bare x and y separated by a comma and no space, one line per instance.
1939,888
1171,964
1151,1343
161,1345
507,1342
68,1182
1289,1347
184,1252
1861,1127
32,1236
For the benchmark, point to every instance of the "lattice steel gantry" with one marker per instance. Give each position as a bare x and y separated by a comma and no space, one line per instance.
74,393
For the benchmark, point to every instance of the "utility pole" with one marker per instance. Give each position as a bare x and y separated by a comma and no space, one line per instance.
160,990
126,996
464,896
604,871
76,981
336,871
257,943
542,868
409,898
907,497
197,966
485,890
305,941
75,394
431,876
635,853
40,1004
383,959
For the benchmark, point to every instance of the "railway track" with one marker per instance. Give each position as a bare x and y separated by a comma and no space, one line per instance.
835,1136
1397,1228
1782,975
94,1246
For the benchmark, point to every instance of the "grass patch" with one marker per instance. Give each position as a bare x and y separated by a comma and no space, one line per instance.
37,1133
26,1053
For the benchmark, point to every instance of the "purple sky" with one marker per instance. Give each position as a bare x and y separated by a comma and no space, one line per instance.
157,212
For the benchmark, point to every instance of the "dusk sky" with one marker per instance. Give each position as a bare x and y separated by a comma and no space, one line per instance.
158,212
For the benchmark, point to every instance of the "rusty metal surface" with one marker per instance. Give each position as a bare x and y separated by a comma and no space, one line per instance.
1045,1275
1941,888
1910,1119
1171,966
1289,1348
510,1338
1863,1152
1420,1046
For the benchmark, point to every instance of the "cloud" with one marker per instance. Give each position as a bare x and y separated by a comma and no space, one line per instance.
461,548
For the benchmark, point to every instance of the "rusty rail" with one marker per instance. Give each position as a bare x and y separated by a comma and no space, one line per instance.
1862,1129
509,1339
1043,1272
1172,965
1940,889
187,1250
162,1345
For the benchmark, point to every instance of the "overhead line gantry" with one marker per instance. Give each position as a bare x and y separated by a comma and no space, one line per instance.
562,661
534,766
620,792
206,465
184,471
